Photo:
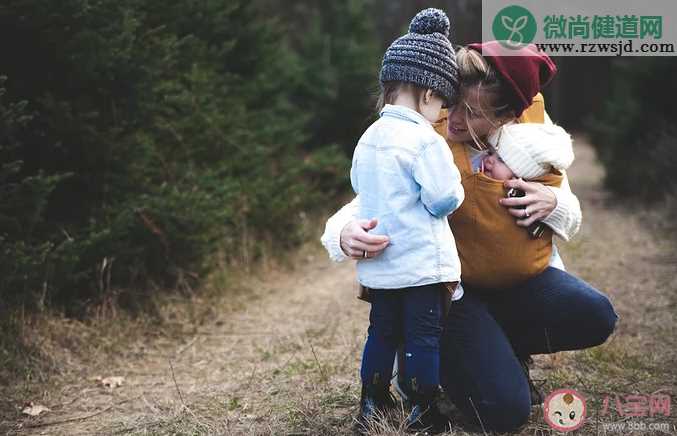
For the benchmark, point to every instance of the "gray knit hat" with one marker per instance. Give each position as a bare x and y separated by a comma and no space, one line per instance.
424,56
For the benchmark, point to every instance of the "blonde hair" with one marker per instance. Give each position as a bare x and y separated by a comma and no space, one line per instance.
476,72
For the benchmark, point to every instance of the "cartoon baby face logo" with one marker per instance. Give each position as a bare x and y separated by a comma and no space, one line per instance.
564,410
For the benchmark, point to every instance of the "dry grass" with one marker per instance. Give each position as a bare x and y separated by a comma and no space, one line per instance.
282,356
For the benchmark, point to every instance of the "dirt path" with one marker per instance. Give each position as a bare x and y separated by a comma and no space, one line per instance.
285,358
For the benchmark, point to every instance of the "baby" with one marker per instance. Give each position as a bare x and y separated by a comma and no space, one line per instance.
527,151
493,242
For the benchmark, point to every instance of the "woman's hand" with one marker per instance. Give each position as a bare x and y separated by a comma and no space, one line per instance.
358,244
538,199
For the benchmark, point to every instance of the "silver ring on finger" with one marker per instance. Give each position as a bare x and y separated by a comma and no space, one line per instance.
364,254
526,214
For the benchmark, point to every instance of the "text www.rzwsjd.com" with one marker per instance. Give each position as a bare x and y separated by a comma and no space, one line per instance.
618,48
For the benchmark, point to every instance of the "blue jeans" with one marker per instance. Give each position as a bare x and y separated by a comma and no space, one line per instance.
409,316
486,332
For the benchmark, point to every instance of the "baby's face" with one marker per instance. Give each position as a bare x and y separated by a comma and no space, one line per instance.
495,168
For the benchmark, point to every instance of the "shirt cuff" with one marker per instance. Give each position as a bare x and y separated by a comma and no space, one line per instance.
331,240
560,216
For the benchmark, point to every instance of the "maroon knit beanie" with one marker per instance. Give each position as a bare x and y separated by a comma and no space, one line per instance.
525,75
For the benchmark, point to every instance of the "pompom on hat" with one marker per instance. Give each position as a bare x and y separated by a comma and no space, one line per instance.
525,72
424,56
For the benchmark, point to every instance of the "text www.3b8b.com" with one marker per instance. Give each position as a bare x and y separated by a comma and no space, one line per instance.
632,426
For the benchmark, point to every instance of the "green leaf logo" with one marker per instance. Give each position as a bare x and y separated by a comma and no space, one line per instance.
514,26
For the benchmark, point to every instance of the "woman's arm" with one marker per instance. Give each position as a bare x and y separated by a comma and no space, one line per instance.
346,236
558,208
331,238
565,219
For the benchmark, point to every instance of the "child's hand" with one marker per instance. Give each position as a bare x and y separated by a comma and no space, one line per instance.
358,244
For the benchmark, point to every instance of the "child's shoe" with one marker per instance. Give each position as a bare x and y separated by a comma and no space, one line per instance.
425,415
375,400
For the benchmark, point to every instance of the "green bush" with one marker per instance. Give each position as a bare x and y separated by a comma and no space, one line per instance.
140,137
22,203
635,134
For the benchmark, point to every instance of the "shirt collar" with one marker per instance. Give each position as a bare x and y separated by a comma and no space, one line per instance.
404,113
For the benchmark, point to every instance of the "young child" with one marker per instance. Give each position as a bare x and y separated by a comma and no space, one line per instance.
405,176
533,152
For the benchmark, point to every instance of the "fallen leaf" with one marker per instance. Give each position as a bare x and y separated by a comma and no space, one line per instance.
34,409
112,382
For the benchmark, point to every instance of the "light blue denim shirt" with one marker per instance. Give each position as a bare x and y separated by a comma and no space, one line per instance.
405,175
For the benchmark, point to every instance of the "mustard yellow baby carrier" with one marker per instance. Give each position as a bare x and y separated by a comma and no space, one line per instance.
495,253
